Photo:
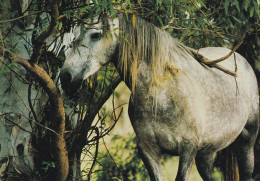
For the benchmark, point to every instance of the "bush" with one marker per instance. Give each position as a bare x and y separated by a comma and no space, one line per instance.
121,162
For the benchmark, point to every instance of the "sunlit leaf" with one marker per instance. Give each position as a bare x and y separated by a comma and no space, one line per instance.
246,4
236,19
237,5
252,11
202,3
226,4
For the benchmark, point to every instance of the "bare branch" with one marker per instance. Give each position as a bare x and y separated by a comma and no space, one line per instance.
30,101
17,18
39,43
20,127
96,153
213,63
45,127
10,82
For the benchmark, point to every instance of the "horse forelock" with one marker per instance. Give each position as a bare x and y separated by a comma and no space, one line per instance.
141,41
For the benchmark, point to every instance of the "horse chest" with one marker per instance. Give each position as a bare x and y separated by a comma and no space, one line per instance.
162,118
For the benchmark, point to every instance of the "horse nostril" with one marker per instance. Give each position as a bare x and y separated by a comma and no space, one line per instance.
70,84
65,78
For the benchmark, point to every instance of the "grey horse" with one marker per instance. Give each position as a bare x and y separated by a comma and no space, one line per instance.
178,106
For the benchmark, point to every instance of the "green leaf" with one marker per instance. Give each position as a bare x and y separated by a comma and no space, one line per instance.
160,20
236,19
252,11
237,5
246,4
98,9
202,3
226,6
256,5
13,64
95,2
59,25
104,4
111,9
4,69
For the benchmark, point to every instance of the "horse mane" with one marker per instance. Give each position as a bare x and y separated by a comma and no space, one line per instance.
141,41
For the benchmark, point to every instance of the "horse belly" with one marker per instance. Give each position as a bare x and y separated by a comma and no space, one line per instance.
228,108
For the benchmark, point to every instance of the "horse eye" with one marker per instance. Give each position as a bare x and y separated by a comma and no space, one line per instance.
96,36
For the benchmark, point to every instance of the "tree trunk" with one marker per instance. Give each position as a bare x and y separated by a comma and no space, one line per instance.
31,147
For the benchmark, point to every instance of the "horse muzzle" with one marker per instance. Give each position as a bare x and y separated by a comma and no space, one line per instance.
69,84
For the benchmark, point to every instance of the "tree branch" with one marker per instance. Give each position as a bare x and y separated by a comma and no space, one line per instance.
82,129
213,63
96,153
58,144
17,18
39,43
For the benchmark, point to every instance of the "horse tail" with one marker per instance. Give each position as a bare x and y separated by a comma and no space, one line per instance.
227,162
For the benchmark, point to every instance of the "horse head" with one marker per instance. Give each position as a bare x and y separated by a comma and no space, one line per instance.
90,45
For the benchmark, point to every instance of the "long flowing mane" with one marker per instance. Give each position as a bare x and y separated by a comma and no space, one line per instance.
142,41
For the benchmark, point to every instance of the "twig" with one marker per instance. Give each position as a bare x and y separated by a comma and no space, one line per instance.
18,126
109,153
209,63
39,43
20,17
2,44
115,121
208,23
96,153
30,101
45,80
45,127
213,63
170,22
10,82
217,66
235,59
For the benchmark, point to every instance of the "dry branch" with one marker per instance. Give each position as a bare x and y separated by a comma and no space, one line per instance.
213,63
17,18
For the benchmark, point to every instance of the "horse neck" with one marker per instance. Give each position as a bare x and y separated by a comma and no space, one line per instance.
126,77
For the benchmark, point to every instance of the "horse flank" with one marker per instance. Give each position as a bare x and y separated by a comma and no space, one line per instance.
144,42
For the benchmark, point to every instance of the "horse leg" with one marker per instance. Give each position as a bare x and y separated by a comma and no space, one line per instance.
151,160
187,155
244,149
204,165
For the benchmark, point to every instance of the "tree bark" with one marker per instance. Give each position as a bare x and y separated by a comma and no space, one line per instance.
56,144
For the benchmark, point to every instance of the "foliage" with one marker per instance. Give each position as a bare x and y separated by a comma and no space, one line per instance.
197,23
97,85
47,165
5,68
122,162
